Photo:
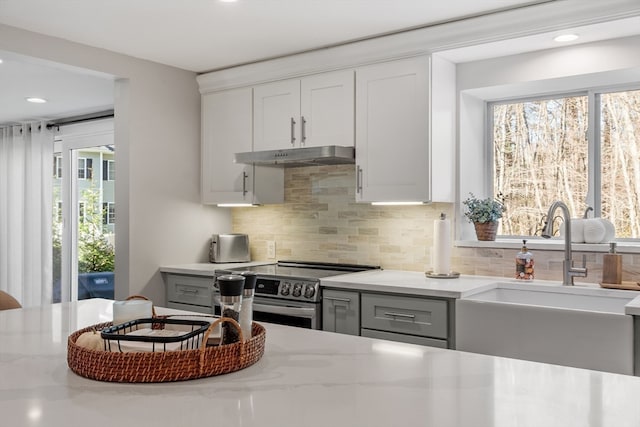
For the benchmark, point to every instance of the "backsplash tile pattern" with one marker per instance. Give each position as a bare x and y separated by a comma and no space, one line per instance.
320,221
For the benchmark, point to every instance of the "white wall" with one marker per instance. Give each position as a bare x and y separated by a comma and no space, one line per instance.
159,218
606,63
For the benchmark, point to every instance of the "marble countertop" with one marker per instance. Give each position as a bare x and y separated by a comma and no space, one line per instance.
305,379
207,269
403,282
411,283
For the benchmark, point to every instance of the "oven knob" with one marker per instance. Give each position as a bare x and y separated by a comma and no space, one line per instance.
297,290
285,288
309,291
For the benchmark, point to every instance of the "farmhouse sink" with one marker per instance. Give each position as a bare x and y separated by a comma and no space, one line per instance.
562,297
584,327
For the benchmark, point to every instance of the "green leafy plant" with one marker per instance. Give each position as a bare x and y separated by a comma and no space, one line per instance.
483,210
96,253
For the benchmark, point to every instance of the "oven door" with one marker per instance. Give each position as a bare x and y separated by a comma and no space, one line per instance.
290,313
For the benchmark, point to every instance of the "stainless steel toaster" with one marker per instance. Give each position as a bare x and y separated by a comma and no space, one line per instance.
229,248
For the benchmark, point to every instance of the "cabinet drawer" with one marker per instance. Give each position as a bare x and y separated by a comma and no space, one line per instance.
404,315
411,339
189,290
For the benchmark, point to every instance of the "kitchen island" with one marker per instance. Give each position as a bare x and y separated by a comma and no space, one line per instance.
305,378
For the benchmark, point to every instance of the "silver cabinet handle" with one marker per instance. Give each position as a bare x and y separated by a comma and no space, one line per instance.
293,131
406,316
358,179
337,299
304,130
189,291
244,183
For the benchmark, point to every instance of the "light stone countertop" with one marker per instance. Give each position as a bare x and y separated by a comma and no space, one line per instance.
207,269
411,283
306,378
403,282
633,307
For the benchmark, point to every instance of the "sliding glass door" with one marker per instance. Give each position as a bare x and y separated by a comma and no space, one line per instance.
84,212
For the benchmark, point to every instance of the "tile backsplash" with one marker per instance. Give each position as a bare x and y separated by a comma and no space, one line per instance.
320,221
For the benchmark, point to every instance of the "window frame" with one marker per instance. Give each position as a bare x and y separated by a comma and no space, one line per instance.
108,213
594,143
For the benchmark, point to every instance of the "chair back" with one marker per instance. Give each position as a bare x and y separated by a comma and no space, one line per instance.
8,302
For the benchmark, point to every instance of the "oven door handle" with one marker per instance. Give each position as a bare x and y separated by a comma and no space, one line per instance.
287,311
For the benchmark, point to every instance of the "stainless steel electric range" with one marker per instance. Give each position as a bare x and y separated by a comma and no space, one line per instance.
288,292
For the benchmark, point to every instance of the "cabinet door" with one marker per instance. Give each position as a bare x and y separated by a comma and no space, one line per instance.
276,115
392,131
327,109
226,129
341,312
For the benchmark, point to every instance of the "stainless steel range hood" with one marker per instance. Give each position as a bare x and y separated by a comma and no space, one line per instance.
296,157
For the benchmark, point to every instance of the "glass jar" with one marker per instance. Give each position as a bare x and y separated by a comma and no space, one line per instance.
231,287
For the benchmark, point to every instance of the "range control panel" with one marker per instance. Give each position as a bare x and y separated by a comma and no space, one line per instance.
293,289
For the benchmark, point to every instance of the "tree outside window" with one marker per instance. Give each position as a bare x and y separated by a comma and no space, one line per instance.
541,153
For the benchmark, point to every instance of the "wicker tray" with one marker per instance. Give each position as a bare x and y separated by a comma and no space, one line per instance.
153,367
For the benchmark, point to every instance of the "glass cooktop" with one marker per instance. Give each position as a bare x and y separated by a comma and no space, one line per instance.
303,269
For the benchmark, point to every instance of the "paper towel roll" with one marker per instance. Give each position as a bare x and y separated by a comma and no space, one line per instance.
441,251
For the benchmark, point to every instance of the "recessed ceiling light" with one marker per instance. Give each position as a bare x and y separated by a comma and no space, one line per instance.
1,61
565,38
36,100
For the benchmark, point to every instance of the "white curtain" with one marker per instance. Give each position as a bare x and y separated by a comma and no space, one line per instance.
26,186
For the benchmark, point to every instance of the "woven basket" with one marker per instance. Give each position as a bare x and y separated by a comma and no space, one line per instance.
155,367
486,230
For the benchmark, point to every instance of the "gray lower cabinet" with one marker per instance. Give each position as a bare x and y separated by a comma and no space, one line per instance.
411,339
191,293
415,320
341,311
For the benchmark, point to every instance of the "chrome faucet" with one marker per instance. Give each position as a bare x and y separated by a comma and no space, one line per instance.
569,271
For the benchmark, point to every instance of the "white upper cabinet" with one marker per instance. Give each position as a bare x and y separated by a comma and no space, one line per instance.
312,111
276,115
226,130
392,131
327,109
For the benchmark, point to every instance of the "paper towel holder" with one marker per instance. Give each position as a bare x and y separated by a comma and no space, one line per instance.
451,275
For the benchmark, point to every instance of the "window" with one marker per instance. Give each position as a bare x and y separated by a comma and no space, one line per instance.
58,212
620,161
57,167
82,212
544,150
108,170
108,213
85,168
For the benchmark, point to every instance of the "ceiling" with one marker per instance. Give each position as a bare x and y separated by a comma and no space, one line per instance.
204,35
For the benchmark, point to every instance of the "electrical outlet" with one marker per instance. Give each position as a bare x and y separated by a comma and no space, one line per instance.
271,249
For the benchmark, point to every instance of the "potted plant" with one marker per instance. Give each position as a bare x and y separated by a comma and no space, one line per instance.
484,214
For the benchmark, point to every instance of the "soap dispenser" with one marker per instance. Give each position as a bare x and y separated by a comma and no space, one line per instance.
524,263
612,266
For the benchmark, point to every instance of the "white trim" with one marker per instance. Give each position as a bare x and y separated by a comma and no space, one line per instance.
529,20
555,244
